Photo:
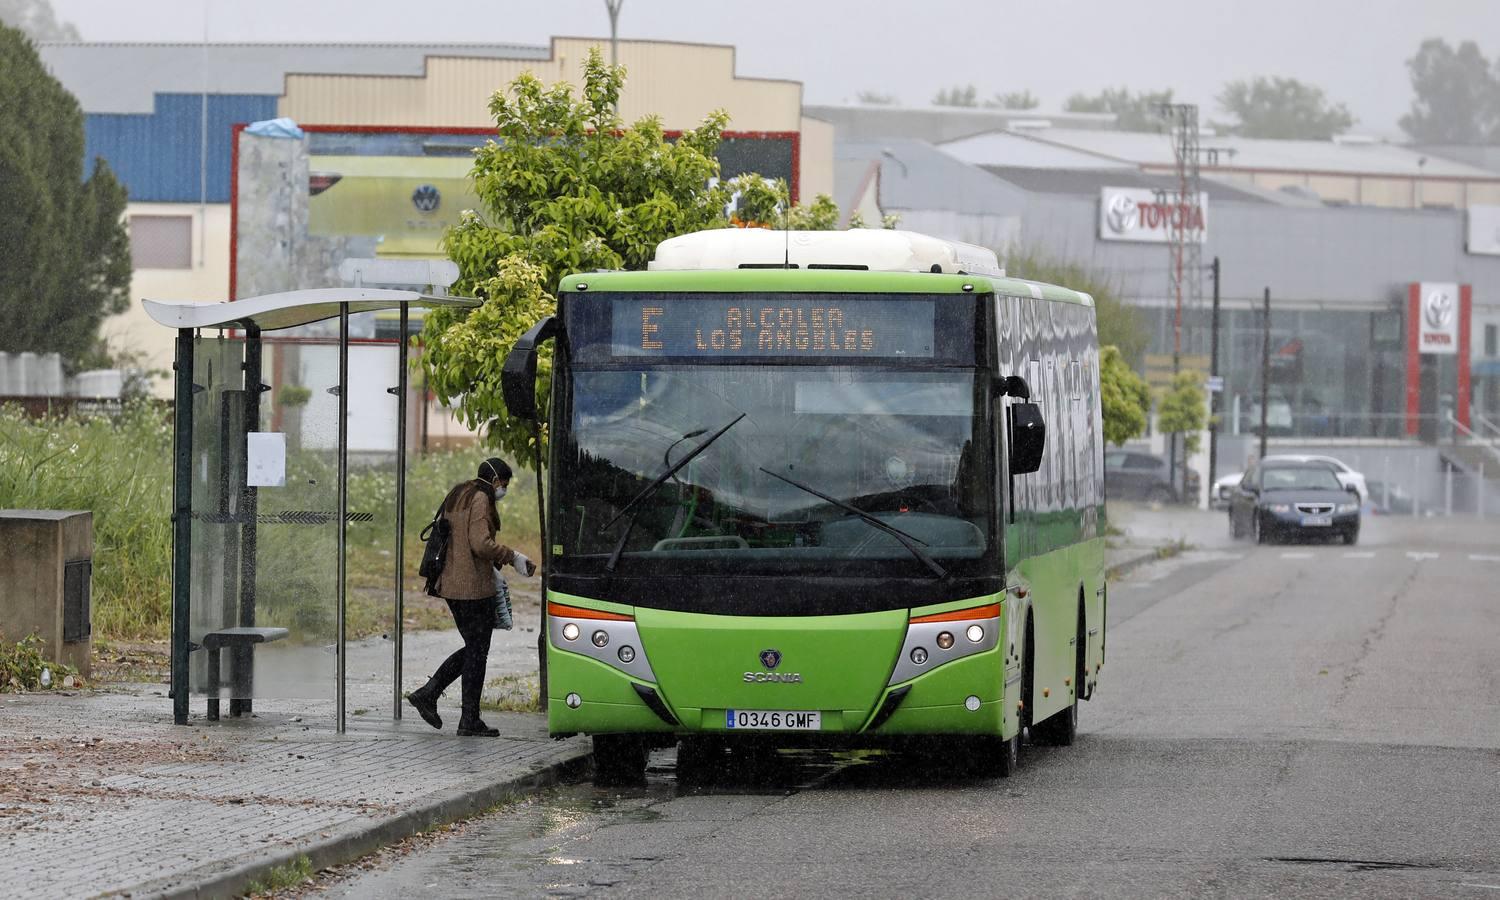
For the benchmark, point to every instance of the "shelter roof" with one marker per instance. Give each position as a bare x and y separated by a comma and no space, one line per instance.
271,312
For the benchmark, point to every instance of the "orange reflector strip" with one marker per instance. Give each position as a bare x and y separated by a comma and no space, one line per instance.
575,612
958,615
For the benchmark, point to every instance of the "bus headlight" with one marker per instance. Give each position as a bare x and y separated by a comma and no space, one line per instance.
600,638
945,640
919,655
932,639
975,633
570,631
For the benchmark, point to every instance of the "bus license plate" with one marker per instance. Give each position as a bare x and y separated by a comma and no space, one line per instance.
772,720
1308,521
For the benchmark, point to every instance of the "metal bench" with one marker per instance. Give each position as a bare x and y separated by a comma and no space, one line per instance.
241,643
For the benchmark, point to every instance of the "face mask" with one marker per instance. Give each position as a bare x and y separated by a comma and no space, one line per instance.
499,492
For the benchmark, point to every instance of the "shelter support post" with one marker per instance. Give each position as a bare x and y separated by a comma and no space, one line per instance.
343,512
400,611
249,507
182,523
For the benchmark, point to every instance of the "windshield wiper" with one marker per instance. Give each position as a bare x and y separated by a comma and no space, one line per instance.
648,490
906,540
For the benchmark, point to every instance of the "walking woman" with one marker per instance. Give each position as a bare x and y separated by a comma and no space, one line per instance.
468,584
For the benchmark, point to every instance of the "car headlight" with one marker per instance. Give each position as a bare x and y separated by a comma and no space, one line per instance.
1279,507
1348,507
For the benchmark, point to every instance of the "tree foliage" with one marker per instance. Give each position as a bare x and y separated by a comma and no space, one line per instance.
958,95
1013,100
1184,408
1124,397
1283,108
1457,96
875,98
65,247
566,187
1133,112
37,19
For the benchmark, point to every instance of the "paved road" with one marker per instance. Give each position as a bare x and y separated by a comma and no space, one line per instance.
1306,721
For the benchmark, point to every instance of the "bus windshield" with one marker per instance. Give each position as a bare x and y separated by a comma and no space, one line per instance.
897,445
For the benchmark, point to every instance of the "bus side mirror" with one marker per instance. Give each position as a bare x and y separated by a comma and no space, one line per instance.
1013,386
518,377
1028,437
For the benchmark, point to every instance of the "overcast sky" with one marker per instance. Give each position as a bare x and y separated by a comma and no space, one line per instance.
1354,49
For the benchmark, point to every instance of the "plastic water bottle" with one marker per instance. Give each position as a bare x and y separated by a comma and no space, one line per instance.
46,677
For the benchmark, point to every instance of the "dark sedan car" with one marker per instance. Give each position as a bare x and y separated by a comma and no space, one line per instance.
1129,475
1285,500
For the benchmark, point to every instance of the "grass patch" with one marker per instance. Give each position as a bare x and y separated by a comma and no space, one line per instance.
282,878
120,468
512,693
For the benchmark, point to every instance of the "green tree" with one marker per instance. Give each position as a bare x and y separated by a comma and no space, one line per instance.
1283,108
63,241
1183,408
1457,97
1133,112
1119,323
875,98
1013,100
1124,397
37,20
966,95
766,203
566,187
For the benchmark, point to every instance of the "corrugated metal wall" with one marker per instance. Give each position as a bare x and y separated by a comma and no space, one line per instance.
157,156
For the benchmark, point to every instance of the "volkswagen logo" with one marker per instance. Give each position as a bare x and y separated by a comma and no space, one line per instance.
1122,214
426,198
1438,309
770,658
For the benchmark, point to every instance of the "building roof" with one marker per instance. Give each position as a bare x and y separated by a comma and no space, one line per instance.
1015,149
1089,181
93,71
917,175
1349,157
865,122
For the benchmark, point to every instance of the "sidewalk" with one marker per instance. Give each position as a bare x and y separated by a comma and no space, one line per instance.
101,794
1150,531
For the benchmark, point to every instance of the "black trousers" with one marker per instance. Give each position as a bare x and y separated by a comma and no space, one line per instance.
476,622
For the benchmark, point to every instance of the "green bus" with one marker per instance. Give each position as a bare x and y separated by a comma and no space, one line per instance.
827,488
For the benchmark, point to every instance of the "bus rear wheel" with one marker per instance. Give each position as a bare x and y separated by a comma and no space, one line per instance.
619,759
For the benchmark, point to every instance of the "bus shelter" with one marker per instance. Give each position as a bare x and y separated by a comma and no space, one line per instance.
262,514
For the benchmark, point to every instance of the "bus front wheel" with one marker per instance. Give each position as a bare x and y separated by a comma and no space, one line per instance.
619,759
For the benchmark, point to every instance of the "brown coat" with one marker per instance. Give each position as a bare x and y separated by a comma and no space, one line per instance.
469,573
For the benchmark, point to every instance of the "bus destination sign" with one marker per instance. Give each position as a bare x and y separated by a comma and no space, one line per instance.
783,325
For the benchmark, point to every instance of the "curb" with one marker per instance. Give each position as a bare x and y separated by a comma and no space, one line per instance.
1125,567
349,842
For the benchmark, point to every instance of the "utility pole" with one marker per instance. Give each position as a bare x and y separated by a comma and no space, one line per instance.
1185,228
1265,369
614,29
1213,371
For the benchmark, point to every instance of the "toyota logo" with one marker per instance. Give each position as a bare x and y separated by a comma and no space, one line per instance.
1122,214
770,658
426,198
1438,309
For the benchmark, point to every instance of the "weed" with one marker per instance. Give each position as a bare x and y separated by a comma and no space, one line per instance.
22,664
282,878
513,693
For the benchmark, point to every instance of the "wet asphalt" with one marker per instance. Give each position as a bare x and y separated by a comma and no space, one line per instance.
1317,721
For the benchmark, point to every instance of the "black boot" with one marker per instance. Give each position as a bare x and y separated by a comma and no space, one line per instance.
426,706
477,728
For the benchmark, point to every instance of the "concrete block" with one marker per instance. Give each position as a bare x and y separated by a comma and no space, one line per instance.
36,548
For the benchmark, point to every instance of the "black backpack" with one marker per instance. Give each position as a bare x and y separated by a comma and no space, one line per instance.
437,535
